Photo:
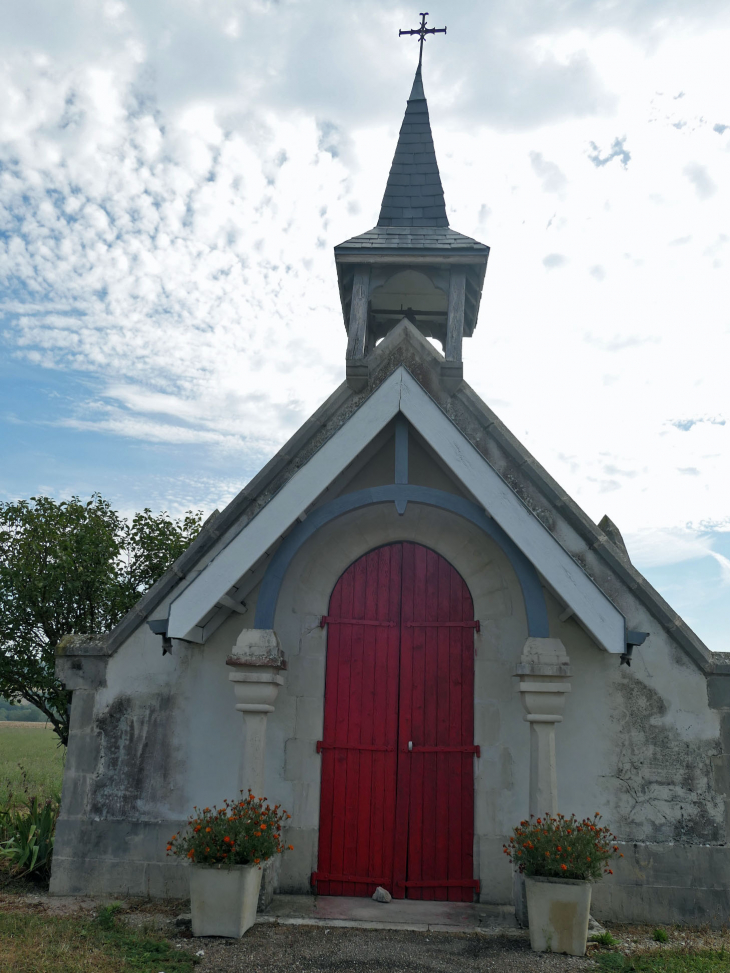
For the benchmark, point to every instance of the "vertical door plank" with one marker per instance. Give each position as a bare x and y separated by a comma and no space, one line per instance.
374,862
403,784
354,757
392,691
365,822
339,823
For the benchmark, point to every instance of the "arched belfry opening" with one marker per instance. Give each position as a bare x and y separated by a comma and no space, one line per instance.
421,298
411,265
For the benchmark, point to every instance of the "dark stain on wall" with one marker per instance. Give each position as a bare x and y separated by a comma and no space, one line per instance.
137,765
663,782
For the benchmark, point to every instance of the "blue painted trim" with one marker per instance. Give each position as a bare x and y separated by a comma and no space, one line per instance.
401,457
401,449
535,608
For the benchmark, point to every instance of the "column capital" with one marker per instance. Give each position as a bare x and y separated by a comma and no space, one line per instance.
257,648
543,657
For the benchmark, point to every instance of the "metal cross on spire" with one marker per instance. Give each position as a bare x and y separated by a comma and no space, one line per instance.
421,32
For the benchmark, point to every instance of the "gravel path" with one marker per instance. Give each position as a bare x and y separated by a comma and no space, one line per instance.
308,949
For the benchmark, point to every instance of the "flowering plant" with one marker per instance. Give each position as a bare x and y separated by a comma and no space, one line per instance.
560,847
244,832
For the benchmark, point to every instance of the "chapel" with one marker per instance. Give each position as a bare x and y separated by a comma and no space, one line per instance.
405,632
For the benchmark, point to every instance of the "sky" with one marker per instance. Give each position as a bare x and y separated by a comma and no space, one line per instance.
174,176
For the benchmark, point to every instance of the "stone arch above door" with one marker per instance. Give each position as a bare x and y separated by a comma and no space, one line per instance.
434,500
308,583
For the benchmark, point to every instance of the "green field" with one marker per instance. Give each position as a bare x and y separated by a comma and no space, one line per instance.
29,748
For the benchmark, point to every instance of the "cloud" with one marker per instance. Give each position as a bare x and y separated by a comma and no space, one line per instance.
720,129
554,260
686,424
658,548
597,272
617,151
700,179
553,180
620,342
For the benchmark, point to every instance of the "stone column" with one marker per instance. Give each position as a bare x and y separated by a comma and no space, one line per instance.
257,663
543,673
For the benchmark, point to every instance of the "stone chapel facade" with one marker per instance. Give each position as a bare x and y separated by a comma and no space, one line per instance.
404,631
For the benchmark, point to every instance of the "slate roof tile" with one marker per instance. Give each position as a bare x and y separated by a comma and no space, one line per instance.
414,167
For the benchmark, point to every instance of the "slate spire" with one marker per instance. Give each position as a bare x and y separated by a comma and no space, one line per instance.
414,195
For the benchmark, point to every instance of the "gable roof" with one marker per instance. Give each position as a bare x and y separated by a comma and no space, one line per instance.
399,393
542,498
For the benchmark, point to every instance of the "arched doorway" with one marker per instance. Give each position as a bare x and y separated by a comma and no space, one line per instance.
397,792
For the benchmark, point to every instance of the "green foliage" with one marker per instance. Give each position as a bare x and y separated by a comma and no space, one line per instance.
560,847
72,567
240,833
670,961
107,915
27,835
660,936
32,942
19,713
604,939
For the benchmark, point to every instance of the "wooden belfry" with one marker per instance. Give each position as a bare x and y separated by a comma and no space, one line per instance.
411,265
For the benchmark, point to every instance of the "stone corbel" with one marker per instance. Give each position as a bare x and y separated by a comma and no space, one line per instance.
81,661
257,663
543,674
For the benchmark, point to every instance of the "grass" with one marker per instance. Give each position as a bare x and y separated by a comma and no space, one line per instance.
32,749
669,961
51,944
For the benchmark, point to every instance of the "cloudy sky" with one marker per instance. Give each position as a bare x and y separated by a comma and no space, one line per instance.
174,175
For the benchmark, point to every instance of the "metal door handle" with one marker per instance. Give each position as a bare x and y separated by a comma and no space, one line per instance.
410,745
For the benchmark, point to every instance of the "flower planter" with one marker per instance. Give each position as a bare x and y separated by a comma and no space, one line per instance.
557,912
223,900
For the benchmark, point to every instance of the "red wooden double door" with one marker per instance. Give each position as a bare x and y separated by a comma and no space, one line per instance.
397,799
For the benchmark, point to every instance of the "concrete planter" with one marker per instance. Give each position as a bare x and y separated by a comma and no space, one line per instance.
557,912
223,901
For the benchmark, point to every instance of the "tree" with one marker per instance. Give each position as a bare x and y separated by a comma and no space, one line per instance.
72,567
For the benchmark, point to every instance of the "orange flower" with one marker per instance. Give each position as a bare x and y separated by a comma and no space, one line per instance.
227,840
191,853
290,847
610,871
208,830
263,827
564,867
256,861
169,847
196,828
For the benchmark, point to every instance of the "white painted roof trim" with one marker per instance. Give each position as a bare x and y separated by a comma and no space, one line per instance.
400,392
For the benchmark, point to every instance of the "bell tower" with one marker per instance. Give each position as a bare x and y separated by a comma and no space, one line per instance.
412,264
